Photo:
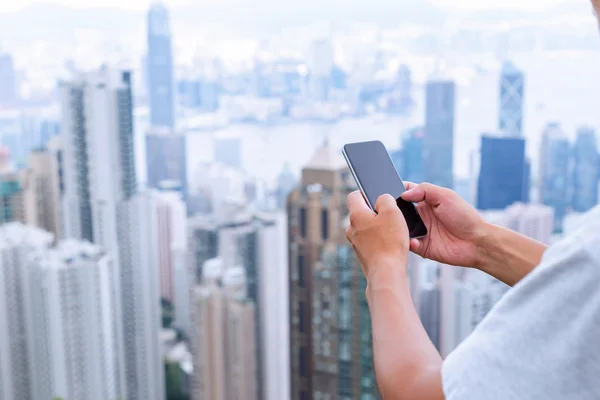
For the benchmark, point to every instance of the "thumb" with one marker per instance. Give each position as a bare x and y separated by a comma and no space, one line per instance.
431,194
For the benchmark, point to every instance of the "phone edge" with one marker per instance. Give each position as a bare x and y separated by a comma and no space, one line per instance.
349,163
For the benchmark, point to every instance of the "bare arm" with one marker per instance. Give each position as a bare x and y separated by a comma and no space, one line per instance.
507,255
407,365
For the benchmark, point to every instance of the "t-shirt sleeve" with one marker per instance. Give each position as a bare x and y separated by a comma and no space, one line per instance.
541,340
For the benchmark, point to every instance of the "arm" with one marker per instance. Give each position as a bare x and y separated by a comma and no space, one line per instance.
506,255
458,235
407,365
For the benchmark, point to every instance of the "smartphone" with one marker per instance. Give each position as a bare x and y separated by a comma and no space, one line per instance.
375,174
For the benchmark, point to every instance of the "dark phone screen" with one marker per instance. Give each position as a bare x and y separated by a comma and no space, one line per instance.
376,175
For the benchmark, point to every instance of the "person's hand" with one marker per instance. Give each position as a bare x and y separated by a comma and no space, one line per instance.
455,229
380,239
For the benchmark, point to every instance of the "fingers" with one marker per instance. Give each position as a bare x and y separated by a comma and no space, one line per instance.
416,246
433,195
358,207
385,202
409,185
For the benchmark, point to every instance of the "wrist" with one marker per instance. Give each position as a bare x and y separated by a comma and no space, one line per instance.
485,237
387,274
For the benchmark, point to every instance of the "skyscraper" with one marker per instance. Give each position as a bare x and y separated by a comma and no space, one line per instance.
17,243
438,144
75,338
140,293
225,356
12,198
330,349
97,153
585,172
166,160
503,175
43,190
160,68
554,172
413,167
254,242
172,233
8,79
512,84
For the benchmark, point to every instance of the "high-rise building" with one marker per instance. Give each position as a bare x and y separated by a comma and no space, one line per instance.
172,233
286,182
503,175
42,191
512,85
412,167
554,173
98,162
12,198
228,151
17,243
533,220
585,172
225,356
330,349
255,242
75,338
430,300
160,68
438,143
8,79
166,160
140,293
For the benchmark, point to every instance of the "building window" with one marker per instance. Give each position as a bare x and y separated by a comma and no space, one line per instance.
302,361
324,224
301,316
301,281
303,222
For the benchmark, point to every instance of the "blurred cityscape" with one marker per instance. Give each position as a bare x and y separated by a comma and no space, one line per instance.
173,196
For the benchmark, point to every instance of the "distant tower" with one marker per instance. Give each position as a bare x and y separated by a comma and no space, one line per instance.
438,144
160,68
503,173
512,84
554,172
585,173
8,80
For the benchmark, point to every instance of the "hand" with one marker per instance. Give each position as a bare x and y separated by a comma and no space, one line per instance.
380,240
455,229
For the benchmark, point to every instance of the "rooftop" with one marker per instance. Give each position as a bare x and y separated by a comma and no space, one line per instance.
326,158
16,233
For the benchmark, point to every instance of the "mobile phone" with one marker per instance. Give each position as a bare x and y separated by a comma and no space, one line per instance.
375,174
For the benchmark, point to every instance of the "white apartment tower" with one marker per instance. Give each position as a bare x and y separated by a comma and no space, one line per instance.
17,243
74,337
97,153
140,290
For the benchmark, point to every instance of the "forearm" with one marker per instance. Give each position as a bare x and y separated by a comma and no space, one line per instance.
507,255
407,365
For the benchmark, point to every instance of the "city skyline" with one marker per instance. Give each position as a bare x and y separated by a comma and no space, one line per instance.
173,194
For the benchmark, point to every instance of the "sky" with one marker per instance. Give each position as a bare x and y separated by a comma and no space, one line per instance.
140,5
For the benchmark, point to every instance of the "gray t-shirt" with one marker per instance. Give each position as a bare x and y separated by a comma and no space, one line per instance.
542,339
